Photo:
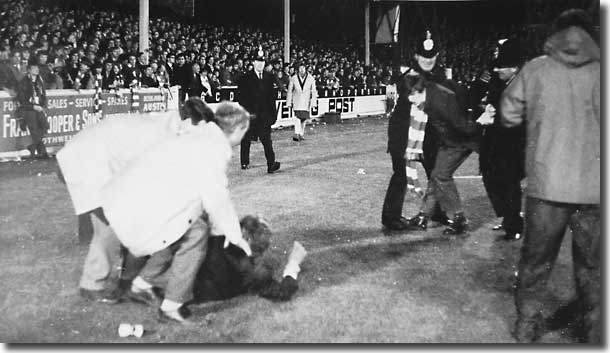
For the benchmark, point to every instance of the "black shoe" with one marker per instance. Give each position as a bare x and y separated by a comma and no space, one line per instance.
442,219
528,330
396,224
181,315
245,166
420,221
458,226
511,236
147,297
273,168
498,227
296,138
100,296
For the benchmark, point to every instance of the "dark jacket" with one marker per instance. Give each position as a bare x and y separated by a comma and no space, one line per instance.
258,97
400,119
25,93
502,149
193,86
226,273
446,106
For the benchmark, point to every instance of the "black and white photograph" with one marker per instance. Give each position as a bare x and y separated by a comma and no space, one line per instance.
302,171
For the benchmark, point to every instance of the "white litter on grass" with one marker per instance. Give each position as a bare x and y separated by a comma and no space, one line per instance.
39,174
361,171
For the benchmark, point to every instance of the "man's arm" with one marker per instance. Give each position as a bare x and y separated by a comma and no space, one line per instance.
259,279
512,103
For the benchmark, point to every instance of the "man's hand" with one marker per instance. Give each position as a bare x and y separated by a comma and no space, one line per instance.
241,243
37,108
487,118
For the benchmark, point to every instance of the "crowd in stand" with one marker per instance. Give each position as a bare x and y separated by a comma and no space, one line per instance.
77,49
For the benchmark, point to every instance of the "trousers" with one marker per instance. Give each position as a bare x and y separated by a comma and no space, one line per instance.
103,254
441,186
181,261
264,135
545,226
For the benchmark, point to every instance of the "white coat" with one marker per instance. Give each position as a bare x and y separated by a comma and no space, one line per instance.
301,96
153,202
95,154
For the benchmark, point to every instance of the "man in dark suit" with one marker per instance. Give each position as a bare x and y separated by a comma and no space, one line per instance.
32,98
229,272
257,94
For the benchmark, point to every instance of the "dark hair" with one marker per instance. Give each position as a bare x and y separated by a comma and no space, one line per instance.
196,110
573,17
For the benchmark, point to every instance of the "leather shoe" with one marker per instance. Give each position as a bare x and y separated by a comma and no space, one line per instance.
420,221
441,218
273,168
100,296
180,315
498,227
396,224
245,166
296,138
458,226
511,236
147,297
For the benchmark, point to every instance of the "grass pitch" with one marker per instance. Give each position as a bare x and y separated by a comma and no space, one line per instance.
357,285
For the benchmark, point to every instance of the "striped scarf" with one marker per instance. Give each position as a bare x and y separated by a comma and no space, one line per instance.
97,99
415,147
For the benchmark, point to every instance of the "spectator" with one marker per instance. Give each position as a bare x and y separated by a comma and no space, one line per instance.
562,170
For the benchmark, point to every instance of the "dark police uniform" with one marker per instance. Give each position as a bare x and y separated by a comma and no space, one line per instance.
257,96
29,93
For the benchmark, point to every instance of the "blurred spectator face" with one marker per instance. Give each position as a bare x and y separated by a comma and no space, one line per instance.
91,56
171,59
149,71
83,67
195,68
33,70
25,55
181,60
154,66
116,69
426,64
108,66
42,59
302,70
132,60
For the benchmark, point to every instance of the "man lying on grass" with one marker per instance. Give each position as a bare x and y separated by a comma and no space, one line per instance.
229,272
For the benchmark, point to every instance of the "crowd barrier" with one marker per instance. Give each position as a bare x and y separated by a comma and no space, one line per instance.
70,111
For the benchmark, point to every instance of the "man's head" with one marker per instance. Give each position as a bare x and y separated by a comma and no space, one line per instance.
507,58
259,60
426,53
257,233
196,110
233,120
573,18
302,69
33,69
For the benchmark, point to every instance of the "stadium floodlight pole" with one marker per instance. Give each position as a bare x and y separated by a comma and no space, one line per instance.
286,31
144,28
367,33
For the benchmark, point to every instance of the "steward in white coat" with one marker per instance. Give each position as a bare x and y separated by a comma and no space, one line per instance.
302,95
92,157
156,205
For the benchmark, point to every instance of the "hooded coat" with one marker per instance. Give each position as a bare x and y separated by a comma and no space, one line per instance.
557,94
